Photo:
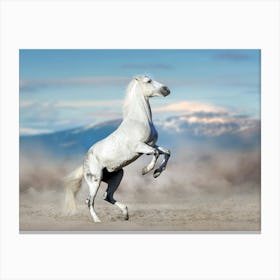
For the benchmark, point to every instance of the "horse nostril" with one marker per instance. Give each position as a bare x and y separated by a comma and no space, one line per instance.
165,90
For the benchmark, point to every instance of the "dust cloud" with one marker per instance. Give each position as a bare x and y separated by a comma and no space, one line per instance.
199,190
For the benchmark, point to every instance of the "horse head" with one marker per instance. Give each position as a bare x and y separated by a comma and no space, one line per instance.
149,87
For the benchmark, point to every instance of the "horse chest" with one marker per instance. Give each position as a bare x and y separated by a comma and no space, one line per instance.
146,133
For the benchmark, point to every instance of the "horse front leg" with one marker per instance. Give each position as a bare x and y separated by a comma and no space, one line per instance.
151,165
166,153
143,148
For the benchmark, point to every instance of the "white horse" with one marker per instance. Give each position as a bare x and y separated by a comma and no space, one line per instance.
135,136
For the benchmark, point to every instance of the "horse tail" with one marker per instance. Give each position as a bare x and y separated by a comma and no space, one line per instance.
72,184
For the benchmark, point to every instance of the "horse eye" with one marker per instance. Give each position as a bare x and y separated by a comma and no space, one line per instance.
149,81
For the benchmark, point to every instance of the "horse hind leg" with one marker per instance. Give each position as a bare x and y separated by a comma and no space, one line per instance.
113,180
93,182
93,177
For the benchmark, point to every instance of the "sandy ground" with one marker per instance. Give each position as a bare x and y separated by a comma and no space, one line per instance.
204,212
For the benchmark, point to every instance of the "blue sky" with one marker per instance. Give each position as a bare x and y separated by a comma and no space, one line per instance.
61,89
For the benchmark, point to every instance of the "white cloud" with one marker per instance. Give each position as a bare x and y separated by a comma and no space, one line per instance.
189,107
32,131
87,103
26,103
71,104
28,84
205,120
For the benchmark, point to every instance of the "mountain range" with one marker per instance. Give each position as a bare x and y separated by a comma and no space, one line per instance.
197,129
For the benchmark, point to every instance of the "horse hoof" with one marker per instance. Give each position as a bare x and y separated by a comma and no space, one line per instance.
126,217
156,173
125,213
144,171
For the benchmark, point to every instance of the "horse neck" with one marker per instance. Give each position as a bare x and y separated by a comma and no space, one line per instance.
137,107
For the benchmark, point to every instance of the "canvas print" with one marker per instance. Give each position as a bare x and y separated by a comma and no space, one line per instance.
164,140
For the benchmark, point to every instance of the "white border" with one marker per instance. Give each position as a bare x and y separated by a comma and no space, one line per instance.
140,24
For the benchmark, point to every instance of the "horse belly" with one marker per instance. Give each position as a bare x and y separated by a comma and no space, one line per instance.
114,156
113,164
118,164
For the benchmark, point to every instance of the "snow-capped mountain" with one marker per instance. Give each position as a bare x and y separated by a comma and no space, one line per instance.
209,124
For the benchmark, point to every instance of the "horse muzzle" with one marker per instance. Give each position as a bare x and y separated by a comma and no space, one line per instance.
165,91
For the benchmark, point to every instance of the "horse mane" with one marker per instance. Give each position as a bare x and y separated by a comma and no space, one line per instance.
130,98
128,95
